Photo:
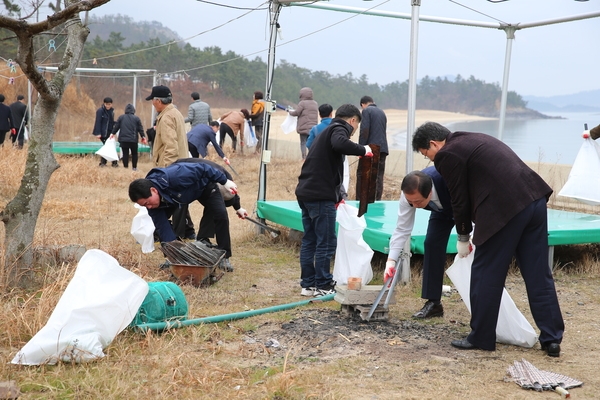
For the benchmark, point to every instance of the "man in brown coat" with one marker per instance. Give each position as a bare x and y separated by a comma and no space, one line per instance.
492,187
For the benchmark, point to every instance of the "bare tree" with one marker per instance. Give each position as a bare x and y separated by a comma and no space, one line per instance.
21,214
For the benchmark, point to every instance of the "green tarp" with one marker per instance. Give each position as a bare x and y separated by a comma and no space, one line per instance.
87,147
564,227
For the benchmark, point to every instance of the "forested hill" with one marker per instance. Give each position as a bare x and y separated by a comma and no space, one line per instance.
150,45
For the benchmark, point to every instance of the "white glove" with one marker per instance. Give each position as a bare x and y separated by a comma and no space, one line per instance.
463,247
242,213
586,134
226,160
390,270
231,187
368,151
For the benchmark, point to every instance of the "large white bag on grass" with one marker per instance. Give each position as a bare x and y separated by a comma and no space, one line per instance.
99,302
142,229
584,181
109,150
353,255
289,124
513,327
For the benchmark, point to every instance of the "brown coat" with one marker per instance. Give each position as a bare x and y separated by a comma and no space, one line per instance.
595,132
170,143
235,120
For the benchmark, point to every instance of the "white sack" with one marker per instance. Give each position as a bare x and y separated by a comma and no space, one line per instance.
100,301
584,181
353,255
249,136
289,124
346,177
142,229
109,150
513,327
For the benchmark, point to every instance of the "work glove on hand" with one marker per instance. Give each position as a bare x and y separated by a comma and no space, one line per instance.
242,214
231,187
338,203
390,270
368,151
463,246
586,134
144,140
226,161
13,131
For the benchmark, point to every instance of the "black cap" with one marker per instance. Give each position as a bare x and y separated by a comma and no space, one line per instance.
159,91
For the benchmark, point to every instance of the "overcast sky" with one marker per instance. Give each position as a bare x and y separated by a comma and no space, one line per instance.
548,60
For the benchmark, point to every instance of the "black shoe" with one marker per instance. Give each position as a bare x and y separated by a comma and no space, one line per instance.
165,265
430,309
325,290
552,349
463,344
225,265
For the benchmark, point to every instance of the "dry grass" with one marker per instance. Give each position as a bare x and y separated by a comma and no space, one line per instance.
89,206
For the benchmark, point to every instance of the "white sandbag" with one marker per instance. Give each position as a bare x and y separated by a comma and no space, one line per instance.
512,327
142,229
100,301
584,181
249,136
109,150
289,124
353,255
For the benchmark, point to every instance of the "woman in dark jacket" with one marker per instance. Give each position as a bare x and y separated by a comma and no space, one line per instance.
129,126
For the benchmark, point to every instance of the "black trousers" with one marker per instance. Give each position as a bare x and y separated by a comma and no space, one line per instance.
525,237
434,260
215,212
2,136
226,129
129,147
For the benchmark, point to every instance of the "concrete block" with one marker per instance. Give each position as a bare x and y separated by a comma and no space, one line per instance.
365,296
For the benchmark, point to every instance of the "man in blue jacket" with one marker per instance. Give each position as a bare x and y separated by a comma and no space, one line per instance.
200,136
325,112
164,190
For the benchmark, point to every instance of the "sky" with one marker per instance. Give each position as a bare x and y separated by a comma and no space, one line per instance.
549,60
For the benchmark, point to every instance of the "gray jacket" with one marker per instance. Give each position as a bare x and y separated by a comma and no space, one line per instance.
199,113
307,112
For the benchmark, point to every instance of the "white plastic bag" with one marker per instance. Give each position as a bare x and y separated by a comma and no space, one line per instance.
512,327
100,301
353,255
249,136
109,150
142,229
584,181
289,124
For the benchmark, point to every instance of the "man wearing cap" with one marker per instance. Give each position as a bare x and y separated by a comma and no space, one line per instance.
170,142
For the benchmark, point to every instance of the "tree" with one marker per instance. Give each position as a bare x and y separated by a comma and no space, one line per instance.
21,213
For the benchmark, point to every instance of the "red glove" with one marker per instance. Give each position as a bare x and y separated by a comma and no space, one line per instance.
390,270
241,213
226,161
368,151
586,134
13,131
338,203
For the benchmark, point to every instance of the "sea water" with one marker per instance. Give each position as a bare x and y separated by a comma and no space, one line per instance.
554,141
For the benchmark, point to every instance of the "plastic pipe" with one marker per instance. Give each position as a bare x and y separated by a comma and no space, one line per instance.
161,326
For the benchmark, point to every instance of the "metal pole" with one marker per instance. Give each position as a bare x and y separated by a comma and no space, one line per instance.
134,90
153,111
510,36
275,9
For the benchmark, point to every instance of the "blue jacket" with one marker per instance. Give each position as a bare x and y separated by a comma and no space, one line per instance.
105,120
202,134
315,130
373,128
179,184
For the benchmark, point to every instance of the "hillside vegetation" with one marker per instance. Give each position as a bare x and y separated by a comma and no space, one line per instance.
118,42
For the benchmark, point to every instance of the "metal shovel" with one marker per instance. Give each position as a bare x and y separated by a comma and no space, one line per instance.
274,232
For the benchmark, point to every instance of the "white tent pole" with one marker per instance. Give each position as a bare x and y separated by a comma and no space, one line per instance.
510,36
134,91
412,82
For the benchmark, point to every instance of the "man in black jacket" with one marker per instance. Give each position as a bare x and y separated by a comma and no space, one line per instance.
7,123
103,125
318,193
19,113
129,127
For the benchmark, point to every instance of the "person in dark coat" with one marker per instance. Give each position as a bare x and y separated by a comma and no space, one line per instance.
308,116
103,125
493,188
164,190
7,123
424,189
373,130
200,136
19,113
129,127
318,193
